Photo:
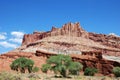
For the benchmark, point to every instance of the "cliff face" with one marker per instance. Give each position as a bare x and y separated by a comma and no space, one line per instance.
88,59
69,29
73,30
108,40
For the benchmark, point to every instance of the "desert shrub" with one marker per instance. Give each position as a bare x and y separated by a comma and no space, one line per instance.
9,76
116,71
90,71
75,68
35,69
21,64
45,68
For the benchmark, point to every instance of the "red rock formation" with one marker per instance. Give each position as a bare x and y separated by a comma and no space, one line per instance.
29,38
6,59
88,59
69,29
17,54
108,40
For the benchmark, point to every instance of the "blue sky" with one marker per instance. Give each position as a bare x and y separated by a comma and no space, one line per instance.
25,16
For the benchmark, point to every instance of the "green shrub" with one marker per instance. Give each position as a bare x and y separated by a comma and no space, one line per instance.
45,68
90,71
116,71
75,68
21,64
35,69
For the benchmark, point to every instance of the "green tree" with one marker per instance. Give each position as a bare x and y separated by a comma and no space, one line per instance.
21,64
116,71
90,71
29,65
45,68
61,64
75,68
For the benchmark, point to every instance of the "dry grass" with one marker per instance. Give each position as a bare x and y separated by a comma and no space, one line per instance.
51,77
35,76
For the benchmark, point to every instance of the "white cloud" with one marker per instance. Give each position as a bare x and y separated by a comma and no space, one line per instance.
4,33
3,36
17,34
17,40
113,34
8,45
10,41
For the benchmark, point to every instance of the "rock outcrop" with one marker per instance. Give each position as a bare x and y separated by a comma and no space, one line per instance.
75,30
69,29
108,40
88,59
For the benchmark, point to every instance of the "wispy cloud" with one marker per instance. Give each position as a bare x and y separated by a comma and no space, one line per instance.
16,40
3,36
16,36
8,45
113,34
10,41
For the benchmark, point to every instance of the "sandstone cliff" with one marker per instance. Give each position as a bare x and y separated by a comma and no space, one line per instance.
94,50
69,29
72,33
88,59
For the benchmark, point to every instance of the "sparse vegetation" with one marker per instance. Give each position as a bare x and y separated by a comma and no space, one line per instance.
33,76
35,69
90,71
45,67
116,71
9,76
62,64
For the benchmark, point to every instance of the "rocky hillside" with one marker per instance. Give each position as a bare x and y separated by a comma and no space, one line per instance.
70,39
